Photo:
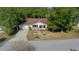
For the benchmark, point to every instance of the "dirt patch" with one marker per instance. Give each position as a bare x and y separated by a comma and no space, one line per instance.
47,35
4,36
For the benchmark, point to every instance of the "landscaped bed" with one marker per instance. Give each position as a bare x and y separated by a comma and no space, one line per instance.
47,35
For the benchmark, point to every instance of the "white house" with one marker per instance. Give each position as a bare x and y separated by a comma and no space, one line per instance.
35,24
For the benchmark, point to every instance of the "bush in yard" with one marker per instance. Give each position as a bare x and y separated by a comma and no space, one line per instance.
7,30
37,36
77,30
30,28
52,27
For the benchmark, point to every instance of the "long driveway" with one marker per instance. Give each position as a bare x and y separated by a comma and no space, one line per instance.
18,43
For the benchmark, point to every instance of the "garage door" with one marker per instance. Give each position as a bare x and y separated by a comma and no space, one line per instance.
23,27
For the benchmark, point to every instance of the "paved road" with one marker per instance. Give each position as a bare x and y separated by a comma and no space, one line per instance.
55,45
18,43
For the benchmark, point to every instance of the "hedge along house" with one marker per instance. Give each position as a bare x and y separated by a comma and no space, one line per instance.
35,24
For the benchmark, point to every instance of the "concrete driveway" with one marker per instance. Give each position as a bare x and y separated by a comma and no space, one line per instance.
22,34
18,43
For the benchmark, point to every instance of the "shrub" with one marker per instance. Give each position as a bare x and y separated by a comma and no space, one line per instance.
37,36
77,30
7,30
30,28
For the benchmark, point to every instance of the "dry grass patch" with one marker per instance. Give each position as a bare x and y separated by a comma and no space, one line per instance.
47,35
4,36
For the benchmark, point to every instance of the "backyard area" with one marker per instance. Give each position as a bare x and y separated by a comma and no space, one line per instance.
47,35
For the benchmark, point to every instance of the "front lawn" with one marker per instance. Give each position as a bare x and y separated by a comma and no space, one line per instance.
47,35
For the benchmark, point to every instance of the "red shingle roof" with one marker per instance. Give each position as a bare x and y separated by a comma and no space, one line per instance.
35,20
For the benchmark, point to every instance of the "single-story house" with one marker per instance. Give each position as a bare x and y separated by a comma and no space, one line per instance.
35,24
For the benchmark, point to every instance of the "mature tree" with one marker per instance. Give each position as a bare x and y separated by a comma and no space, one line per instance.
62,18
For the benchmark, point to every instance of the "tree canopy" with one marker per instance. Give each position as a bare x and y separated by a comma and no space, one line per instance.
60,19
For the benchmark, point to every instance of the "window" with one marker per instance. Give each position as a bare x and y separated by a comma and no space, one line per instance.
40,26
35,25
43,26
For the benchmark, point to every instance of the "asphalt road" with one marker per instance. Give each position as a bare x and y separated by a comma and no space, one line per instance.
55,45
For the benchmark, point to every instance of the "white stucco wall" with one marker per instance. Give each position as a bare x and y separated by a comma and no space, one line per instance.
25,26
39,23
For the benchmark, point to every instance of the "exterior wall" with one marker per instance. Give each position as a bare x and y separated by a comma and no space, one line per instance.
30,26
39,23
38,28
24,26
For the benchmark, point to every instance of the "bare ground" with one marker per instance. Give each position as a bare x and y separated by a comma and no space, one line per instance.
47,35
4,36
